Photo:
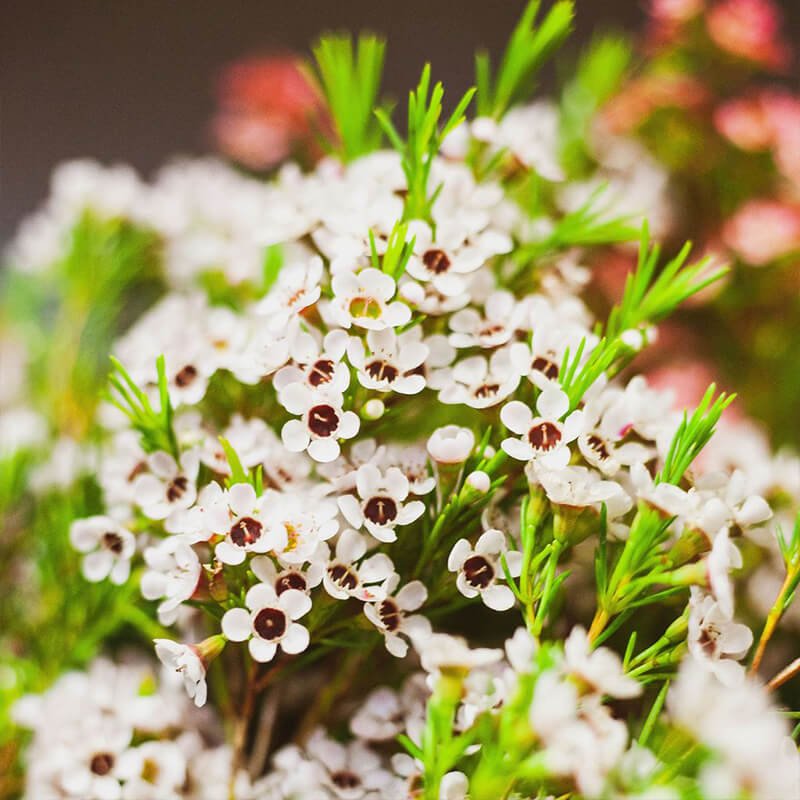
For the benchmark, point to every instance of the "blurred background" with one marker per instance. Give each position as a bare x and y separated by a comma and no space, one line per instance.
134,81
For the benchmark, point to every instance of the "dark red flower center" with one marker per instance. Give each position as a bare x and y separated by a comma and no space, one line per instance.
270,623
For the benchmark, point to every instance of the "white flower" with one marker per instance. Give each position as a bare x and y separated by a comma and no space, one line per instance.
251,439
381,507
345,578
715,640
241,519
451,444
390,615
318,365
296,288
299,525
270,622
291,577
363,299
543,437
441,652
479,570
392,364
352,771
173,574
183,658
454,786
476,381
323,422
493,329
108,548
168,486
600,668
153,769
724,557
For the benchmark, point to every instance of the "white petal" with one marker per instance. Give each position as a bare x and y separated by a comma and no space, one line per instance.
261,650
491,542
517,449
324,450
295,436
295,603
517,417
498,597
296,639
236,625
242,499
461,551
351,546
552,403
260,596
412,596
97,565
229,553
351,509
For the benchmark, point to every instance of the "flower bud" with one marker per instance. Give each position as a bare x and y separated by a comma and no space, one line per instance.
373,409
479,481
451,444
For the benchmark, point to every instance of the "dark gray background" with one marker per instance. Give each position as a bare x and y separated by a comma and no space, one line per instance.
131,80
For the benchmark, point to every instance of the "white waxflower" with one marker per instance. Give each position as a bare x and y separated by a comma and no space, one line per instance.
543,437
246,529
391,614
251,439
380,506
442,653
391,363
168,486
364,299
451,444
600,668
302,579
317,364
269,622
456,252
492,329
352,771
380,717
478,382
297,287
723,558
323,422
153,769
454,786
347,575
716,641
173,574
185,659
480,569
108,548
412,461
729,494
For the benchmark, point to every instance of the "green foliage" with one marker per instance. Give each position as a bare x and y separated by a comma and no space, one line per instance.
423,141
650,294
528,48
599,74
154,426
350,75
273,263
398,251
577,378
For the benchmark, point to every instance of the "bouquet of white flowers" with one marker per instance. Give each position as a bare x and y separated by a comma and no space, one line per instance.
385,494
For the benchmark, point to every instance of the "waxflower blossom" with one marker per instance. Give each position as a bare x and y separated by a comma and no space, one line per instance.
392,362
544,437
168,486
391,614
365,300
349,574
108,548
480,569
381,504
451,444
269,623
185,660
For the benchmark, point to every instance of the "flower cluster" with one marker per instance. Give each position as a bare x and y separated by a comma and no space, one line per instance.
371,408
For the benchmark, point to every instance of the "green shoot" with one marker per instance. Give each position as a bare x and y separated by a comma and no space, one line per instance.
648,298
398,251
528,48
693,435
577,378
599,74
154,427
423,141
273,261
350,76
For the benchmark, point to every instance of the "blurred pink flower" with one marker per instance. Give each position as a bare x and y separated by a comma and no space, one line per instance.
269,108
675,11
687,381
749,29
763,230
745,122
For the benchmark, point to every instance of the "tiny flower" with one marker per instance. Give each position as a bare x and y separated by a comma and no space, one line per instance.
269,623
152,769
173,574
724,557
494,329
451,444
185,659
344,577
381,507
443,653
108,548
168,486
290,577
323,422
390,615
299,526
478,382
319,367
296,288
543,437
716,641
480,569
242,523
363,299
392,364
601,669
479,481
